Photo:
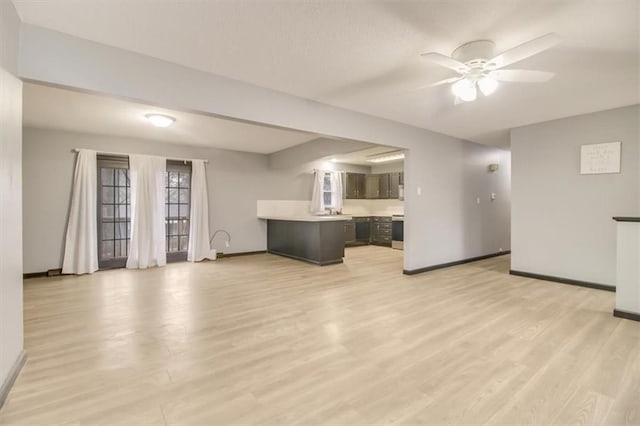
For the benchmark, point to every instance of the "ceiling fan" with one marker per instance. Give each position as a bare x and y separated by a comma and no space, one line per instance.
479,67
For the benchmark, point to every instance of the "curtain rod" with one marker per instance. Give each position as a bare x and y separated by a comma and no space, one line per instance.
324,170
126,155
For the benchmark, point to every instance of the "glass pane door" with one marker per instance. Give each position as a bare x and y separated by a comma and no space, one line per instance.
114,212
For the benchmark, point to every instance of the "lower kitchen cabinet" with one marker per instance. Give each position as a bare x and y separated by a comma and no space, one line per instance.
381,231
368,230
349,232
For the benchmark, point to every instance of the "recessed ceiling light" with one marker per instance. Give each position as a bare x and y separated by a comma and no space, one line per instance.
160,120
335,160
389,156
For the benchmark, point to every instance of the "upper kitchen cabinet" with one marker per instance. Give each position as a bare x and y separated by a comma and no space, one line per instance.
395,180
385,186
372,187
355,185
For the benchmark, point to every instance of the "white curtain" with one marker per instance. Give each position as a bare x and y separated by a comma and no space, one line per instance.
199,219
81,244
336,190
317,198
148,238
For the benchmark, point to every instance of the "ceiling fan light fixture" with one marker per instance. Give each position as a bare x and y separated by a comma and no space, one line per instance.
487,85
479,68
465,89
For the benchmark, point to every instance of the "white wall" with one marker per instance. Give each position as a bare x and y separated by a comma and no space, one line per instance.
11,328
562,220
442,211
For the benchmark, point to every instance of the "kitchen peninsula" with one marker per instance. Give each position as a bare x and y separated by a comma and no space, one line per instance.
314,239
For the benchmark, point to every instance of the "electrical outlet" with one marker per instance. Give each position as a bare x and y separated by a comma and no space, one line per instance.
478,200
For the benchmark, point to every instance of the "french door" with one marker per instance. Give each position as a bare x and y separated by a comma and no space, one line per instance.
114,211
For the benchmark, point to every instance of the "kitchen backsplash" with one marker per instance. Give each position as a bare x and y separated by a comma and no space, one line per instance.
373,207
350,207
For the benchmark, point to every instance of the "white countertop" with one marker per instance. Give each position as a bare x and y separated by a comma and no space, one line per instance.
383,214
309,218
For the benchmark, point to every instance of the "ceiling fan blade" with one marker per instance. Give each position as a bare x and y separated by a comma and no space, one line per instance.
526,76
446,61
441,82
525,50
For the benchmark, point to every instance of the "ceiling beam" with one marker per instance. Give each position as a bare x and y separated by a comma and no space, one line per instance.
59,59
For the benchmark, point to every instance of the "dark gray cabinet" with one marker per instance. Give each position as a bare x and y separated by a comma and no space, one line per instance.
316,242
381,230
394,184
349,232
372,187
385,186
363,229
368,230
355,185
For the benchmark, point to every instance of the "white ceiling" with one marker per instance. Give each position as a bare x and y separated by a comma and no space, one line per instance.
54,108
364,56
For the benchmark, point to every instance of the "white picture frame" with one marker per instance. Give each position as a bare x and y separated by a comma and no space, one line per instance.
600,158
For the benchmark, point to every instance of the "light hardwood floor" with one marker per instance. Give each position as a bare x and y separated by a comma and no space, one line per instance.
265,339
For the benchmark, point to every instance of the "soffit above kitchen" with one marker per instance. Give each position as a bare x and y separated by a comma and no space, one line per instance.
62,109
365,56
364,157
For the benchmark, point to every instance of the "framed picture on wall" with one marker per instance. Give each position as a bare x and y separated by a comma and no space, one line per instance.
600,158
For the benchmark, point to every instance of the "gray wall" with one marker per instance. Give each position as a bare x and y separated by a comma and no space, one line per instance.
562,220
312,151
236,180
294,165
443,208
11,328
397,166
445,222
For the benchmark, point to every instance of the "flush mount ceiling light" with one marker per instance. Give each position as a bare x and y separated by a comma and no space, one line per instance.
479,67
387,156
160,120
